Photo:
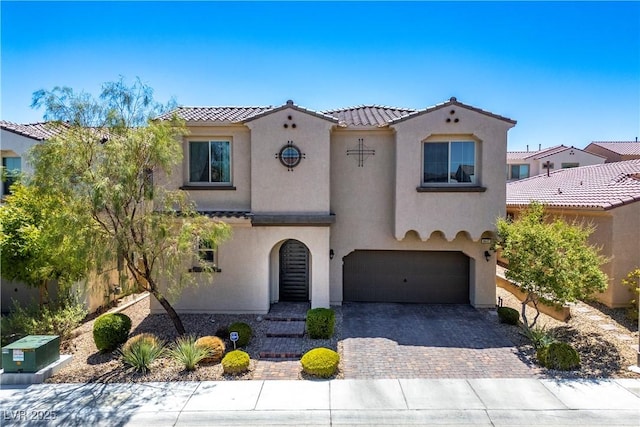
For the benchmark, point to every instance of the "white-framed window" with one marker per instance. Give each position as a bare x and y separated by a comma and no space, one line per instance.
518,171
207,257
11,168
570,165
207,252
449,163
210,162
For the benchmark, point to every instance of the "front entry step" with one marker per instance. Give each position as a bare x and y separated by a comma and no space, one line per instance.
291,329
281,348
286,323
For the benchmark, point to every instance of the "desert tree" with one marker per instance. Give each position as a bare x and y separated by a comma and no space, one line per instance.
41,241
104,159
550,260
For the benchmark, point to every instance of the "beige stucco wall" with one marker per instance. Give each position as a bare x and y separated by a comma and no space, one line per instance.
450,213
617,234
363,199
305,189
626,250
248,282
224,198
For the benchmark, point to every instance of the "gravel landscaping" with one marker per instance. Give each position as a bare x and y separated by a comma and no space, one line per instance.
605,352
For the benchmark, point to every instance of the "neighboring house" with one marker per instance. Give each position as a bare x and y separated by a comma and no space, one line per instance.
615,151
524,164
368,203
607,196
15,141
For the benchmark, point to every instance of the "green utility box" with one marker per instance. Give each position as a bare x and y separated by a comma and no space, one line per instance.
31,353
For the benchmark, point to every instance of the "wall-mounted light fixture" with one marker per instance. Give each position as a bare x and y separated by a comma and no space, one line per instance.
331,254
487,255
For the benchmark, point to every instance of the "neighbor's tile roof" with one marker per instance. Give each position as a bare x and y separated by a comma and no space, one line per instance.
39,131
216,114
603,186
368,115
625,148
537,154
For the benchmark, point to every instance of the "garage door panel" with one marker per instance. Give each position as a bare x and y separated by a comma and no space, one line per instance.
436,277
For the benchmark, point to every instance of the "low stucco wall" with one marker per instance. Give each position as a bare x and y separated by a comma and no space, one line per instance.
559,313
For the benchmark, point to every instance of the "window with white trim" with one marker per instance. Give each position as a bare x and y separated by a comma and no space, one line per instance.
449,163
207,257
210,162
11,168
519,171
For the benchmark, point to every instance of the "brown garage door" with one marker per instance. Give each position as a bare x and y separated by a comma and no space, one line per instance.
427,277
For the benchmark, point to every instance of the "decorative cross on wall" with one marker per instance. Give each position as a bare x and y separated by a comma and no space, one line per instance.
362,152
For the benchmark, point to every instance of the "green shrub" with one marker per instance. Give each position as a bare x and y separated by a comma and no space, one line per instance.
508,315
140,351
244,333
186,352
59,318
320,323
320,362
559,355
539,337
235,362
222,332
111,330
215,345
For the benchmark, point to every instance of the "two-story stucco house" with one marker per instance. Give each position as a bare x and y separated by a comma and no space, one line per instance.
367,203
15,142
524,164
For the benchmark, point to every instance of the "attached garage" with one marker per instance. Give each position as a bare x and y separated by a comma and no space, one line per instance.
426,277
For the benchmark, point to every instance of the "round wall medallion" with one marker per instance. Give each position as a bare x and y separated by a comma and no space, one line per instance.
290,156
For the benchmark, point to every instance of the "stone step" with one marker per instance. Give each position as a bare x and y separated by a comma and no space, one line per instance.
290,329
281,348
288,311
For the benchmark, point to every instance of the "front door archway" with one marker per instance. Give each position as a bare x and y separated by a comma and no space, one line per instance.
294,271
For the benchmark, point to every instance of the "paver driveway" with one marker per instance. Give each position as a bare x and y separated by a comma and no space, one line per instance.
425,341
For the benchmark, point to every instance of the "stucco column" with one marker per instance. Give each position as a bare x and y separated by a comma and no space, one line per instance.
320,295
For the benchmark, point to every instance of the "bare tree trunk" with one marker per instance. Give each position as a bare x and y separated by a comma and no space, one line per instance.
177,322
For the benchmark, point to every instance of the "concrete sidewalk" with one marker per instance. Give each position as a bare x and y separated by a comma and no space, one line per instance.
452,402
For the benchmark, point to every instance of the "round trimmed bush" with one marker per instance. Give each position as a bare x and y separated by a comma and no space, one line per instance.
147,338
560,356
111,330
244,333
508,315
215,347
320,323
320,362
235,362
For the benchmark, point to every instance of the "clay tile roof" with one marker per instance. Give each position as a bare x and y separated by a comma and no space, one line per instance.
603,186
625,148
39,131
368,115
453,101
215,114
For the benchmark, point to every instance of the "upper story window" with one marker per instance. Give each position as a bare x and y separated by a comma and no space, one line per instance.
518,171
11,168
570,165
450,163
210,162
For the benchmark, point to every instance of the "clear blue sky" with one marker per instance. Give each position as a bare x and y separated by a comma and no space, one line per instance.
569,73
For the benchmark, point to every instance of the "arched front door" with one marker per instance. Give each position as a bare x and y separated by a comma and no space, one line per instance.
294,271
